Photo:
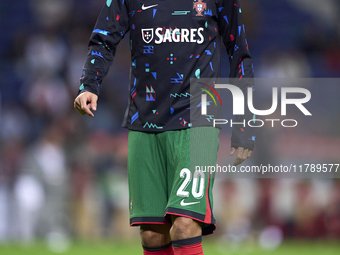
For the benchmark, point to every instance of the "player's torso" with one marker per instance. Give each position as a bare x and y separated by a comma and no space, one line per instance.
171,41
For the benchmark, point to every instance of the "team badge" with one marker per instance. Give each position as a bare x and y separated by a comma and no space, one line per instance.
147,35
200,7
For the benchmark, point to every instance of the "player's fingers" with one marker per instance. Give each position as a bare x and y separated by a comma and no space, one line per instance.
232,151
76,103
84,106
77,106
242,155
94,105
245,154
86,110
238,160
81,111
240,151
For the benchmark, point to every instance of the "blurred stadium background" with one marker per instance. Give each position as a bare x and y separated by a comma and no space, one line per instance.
63,176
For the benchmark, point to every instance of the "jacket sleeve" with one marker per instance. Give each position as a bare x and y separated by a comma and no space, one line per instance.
232,31
111,26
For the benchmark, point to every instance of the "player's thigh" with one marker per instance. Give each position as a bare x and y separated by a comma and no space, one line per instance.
147,178
194,156
191,192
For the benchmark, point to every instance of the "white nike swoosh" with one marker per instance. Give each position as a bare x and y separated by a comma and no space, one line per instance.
190,203
148,7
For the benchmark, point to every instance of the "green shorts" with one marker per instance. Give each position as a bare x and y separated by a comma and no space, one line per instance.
162,176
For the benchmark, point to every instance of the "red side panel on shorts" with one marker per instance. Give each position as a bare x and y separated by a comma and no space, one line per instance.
207,218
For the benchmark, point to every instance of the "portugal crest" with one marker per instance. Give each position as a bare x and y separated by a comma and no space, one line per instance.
147,35
200,7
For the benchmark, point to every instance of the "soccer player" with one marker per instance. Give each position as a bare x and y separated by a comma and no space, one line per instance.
171,41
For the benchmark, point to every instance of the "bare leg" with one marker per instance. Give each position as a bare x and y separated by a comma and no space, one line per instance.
184,228
154,235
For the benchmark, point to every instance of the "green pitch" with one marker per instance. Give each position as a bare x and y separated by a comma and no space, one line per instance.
210,248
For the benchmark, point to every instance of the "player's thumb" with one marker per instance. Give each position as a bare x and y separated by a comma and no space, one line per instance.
232,151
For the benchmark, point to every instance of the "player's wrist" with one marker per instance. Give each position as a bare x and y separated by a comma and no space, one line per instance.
87,88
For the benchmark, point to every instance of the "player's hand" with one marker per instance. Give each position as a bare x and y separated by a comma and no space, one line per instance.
242,154
85,102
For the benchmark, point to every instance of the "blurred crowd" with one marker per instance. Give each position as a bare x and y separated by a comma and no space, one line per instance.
63,174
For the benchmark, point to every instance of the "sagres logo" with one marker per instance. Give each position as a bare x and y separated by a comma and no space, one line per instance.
239,104
173,35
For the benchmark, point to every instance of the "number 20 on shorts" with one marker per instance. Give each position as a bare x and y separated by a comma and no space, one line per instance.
198,182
